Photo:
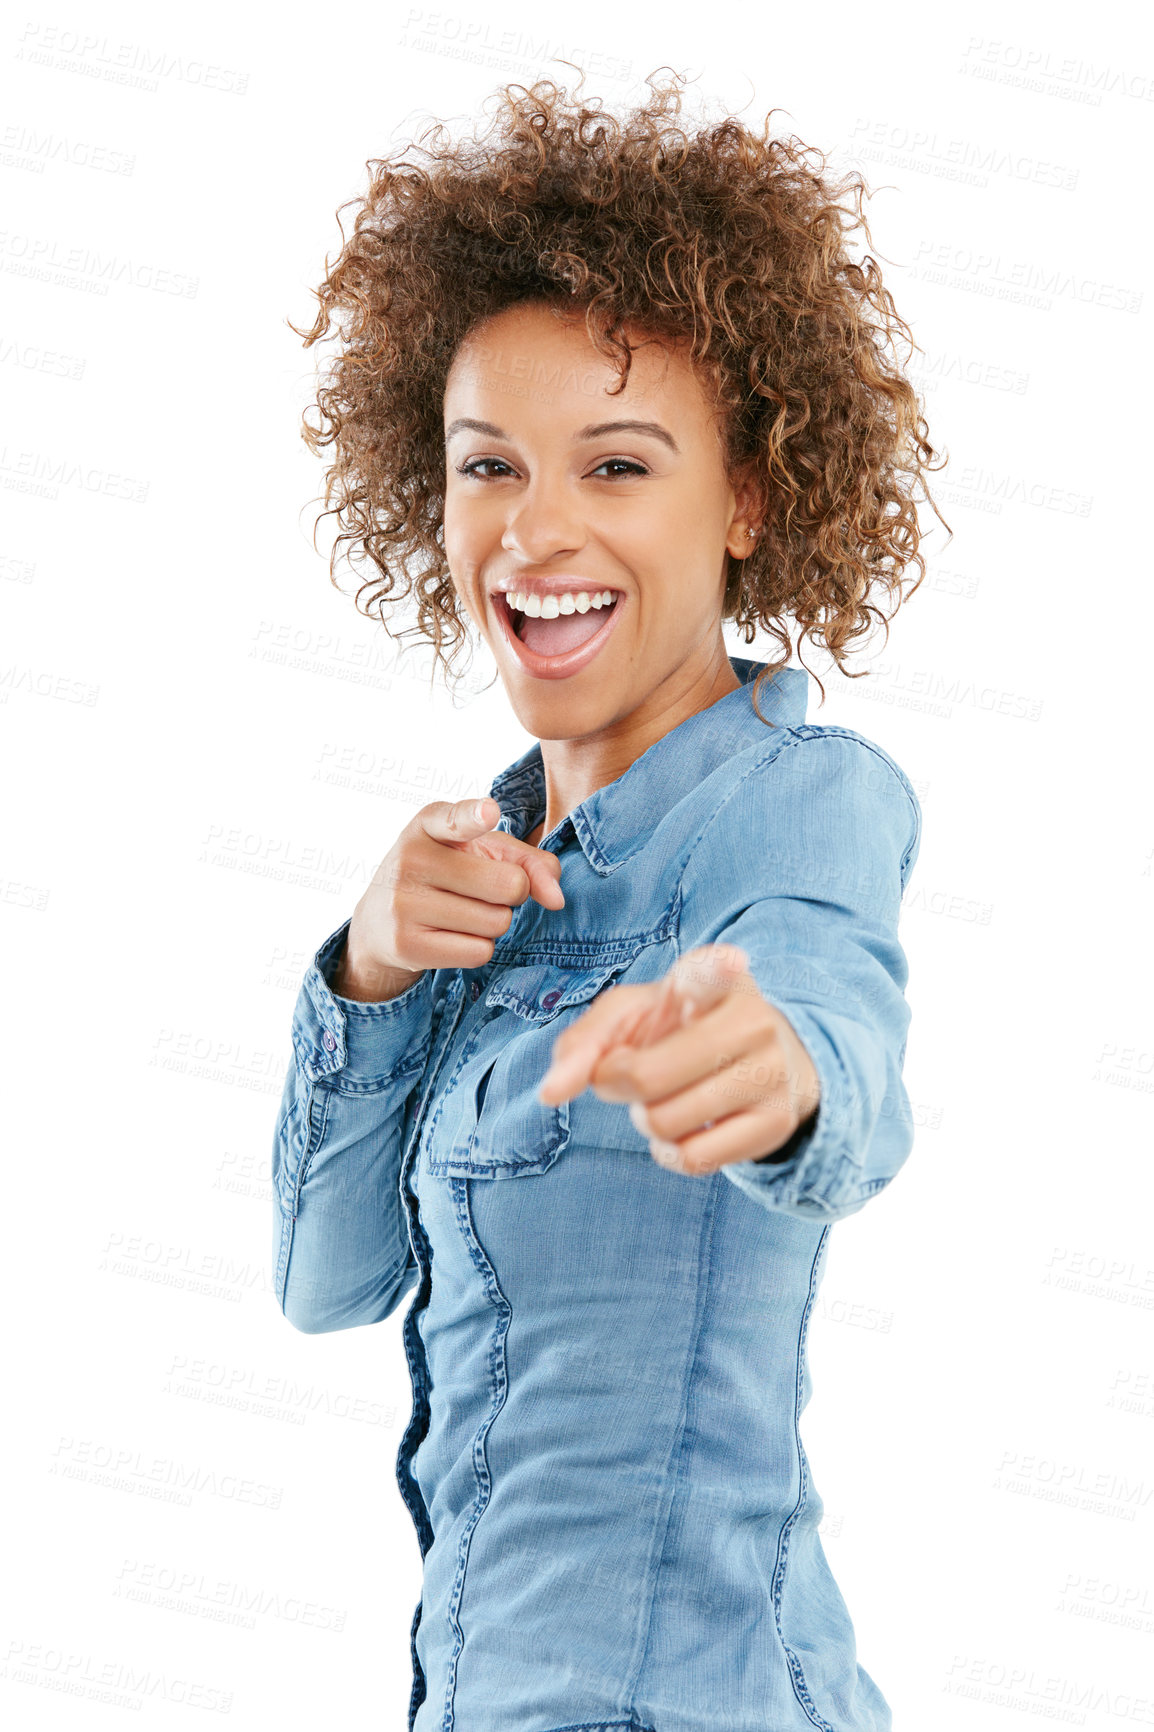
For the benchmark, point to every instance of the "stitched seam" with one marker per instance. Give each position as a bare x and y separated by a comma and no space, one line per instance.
579,954
797,1674
499,1392
283,1259
688,1405
317,1127
464,1157
463,1058
368,1011
605,1726
342,1083
417,1427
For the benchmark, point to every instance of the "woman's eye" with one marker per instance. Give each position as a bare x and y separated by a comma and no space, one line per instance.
622,463
479,463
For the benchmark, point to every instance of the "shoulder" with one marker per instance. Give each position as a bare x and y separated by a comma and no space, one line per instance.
835,754
812,788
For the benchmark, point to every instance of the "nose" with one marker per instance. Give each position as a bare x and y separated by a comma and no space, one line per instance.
542,524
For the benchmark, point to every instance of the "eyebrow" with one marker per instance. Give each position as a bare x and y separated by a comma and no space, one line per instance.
465,424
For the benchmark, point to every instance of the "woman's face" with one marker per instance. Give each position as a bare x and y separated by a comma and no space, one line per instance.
545,496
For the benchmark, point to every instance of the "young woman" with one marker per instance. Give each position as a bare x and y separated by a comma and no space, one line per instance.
598,1060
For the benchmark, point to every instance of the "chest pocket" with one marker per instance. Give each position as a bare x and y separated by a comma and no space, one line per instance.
488,1122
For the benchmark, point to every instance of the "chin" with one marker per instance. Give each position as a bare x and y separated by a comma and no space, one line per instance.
553,710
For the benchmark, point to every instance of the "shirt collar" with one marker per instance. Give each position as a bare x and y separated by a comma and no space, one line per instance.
613,822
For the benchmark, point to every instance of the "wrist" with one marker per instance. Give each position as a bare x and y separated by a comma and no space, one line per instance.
367,981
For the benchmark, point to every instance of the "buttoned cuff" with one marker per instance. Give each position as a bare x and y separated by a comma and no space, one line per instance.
367,1043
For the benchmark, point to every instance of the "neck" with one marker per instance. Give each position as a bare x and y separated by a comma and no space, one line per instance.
574,769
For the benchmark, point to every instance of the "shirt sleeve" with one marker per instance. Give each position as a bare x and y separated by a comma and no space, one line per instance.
340,1245
804,866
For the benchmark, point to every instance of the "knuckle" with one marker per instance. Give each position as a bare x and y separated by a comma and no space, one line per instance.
660,1122
647,1069
624,1062
514,884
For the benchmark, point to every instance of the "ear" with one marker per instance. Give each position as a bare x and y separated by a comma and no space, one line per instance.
748,511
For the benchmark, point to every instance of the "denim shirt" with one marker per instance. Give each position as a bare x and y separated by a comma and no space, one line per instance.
615,1511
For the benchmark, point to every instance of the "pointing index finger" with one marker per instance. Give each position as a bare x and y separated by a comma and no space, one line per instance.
609,1021
639,1016
461,822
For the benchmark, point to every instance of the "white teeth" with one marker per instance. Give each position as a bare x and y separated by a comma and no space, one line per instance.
549,606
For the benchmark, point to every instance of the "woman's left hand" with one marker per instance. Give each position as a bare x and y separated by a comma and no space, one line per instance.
714,1073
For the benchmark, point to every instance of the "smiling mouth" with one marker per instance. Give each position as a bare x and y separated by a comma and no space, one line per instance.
557,636
557,649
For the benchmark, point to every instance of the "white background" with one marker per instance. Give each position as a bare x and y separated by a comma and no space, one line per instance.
209,749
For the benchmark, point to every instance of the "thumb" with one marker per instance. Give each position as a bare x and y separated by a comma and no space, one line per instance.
696,981
458,821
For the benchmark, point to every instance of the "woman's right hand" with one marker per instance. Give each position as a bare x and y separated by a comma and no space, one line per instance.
440,898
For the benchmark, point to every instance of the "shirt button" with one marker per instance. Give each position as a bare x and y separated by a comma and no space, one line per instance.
475,989
329,1041
551,998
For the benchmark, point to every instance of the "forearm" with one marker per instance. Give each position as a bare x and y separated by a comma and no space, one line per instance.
341,1253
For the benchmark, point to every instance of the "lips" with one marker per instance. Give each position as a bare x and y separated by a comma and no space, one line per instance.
565,662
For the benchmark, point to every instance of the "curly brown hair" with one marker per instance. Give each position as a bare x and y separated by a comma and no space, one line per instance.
733,243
